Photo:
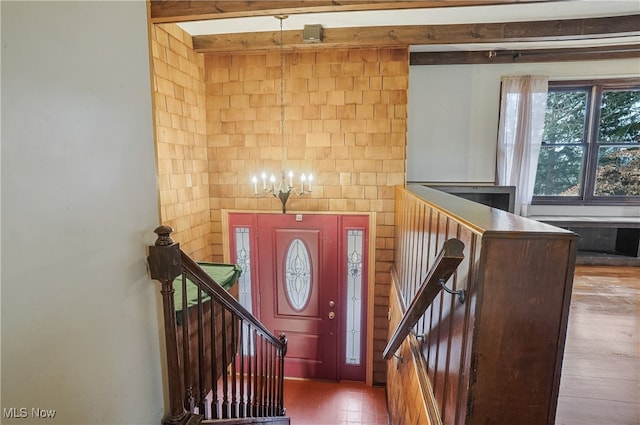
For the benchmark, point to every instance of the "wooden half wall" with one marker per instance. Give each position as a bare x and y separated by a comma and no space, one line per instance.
497,357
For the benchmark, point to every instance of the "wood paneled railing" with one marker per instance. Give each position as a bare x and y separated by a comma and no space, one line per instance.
222,362
497,357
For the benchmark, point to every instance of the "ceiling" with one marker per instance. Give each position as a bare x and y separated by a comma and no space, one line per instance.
247,22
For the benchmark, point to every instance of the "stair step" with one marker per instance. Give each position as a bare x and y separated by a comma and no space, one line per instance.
271,420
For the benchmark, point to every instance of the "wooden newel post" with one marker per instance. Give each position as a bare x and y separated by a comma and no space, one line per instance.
165,265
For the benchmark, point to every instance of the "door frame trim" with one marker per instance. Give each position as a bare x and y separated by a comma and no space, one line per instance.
226,255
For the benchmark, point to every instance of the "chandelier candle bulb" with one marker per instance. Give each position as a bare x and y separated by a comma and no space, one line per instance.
255,185
310,180
264,180
290,178
302,179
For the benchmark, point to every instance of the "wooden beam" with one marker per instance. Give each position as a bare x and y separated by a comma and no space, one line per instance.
552,30
166,11
526,55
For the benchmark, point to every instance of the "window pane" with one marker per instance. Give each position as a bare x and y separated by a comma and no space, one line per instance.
618,172
564,120
559,171
243,259
354,295
298,275
620,117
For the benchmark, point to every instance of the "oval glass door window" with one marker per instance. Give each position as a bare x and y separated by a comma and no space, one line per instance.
298,275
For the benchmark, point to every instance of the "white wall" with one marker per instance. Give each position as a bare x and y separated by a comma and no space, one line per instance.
453,116
79,315
451,124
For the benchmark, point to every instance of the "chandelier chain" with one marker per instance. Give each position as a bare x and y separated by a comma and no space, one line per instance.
285,187
282,96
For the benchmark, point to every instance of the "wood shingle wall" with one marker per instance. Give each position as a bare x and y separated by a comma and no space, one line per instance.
345,121
181,141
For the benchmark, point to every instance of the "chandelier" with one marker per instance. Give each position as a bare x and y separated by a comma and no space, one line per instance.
282,187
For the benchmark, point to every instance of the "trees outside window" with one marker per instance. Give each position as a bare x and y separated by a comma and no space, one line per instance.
590,151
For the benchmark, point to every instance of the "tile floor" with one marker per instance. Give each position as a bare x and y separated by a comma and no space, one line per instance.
330,403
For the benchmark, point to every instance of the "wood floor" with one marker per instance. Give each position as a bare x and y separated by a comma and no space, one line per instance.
600,382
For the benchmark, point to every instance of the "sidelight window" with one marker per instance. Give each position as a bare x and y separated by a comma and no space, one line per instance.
354,276
243,259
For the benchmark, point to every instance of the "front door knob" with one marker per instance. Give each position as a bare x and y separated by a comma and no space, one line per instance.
331,315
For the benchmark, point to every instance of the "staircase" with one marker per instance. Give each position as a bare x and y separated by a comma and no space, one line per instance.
224,366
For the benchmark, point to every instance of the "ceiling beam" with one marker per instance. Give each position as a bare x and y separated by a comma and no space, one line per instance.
526,56
167,11
552,30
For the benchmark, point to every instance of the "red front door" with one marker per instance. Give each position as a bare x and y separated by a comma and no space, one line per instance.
305,275
298,289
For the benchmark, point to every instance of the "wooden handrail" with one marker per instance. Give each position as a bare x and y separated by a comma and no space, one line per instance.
202,279
444,266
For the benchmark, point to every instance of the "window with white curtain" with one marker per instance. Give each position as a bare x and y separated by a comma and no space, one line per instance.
522,110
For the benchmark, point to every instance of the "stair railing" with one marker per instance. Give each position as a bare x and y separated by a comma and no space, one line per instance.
222,362
443,267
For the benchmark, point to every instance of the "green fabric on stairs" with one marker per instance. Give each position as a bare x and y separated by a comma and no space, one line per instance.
226,275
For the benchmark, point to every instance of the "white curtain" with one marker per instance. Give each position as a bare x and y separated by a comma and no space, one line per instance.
523,102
